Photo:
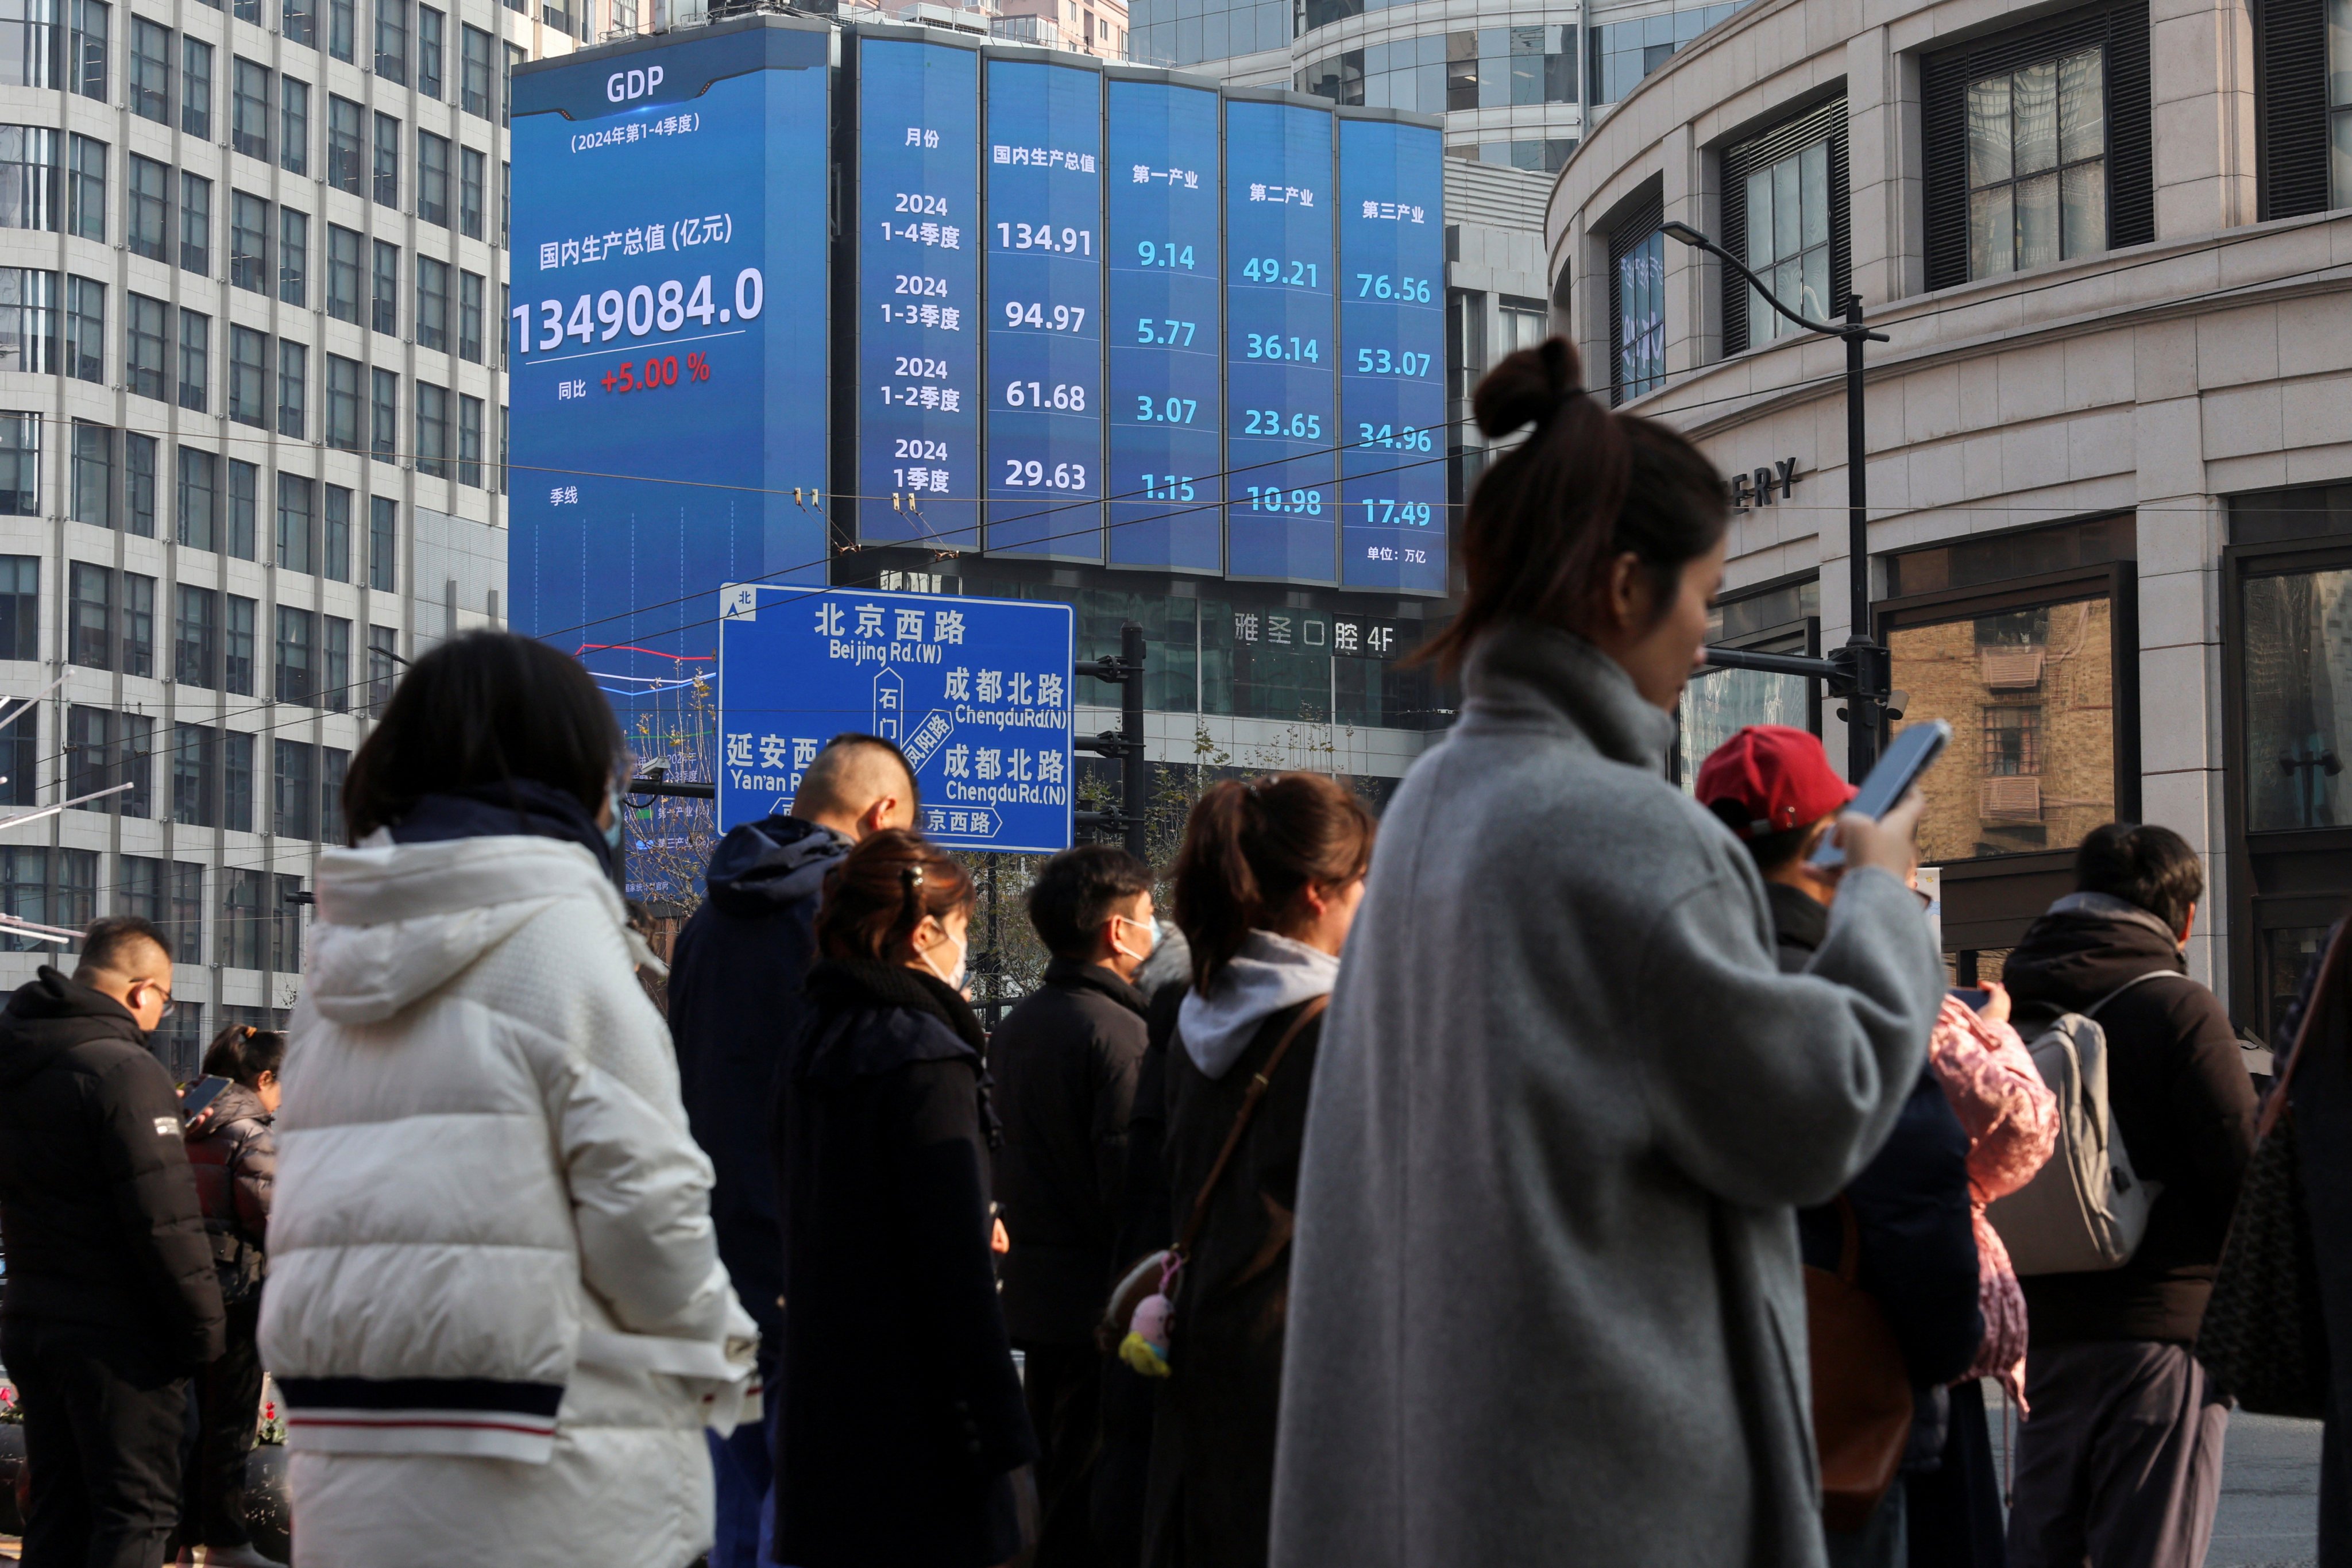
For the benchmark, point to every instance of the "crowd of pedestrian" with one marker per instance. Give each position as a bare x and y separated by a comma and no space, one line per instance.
1570,1166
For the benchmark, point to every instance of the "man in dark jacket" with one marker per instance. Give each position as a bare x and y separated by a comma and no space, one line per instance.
1064,1063
111,1301
2122,1457
1916,1250
735,1002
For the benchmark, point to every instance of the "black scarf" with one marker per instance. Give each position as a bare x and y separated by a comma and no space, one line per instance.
519,806
843,983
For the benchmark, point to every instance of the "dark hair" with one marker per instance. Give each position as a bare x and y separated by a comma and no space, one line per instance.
2144,865
821,787
1772,851
1585,487
1074,894
244,1053
108,944
485,708
882,889
1249,849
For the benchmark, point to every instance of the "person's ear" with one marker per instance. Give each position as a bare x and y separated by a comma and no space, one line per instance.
875,817
1630,594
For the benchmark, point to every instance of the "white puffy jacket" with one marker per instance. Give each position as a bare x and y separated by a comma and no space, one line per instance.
496,1309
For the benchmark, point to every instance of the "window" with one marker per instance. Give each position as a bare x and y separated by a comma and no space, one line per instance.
247,11
28,320
198,489
29,176
92,500
144,344
469,441
236,647
342,404
296,531
195,638
285,928
20,465
27,43
196,88
1637,296
195,776
138,624
293,257
196,223
249,376
248,242
187,929
244,493
77,894
342,273
20,609
293,388
248,112
432,430
342,29
2037,144
240,928
432,303
105,749
387,161
86,190
86,62
89,609
2291,661
24,892
383,416
334,765
296,20
343,151
384,665
151,70
383,544
387,287
85,329
1491,68
474,70
139,484
2012,741
297,781
392,41
1622,53
293,125
429,24
470,287
236,781
335,551
471,191
148,218
195,359
433,178
298,636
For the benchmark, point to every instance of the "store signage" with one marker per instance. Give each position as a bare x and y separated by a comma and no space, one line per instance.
1756,487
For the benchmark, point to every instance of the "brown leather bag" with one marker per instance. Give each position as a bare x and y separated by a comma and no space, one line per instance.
1862,1391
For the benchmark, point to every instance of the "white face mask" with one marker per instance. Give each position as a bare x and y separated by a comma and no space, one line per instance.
954,980
1151,942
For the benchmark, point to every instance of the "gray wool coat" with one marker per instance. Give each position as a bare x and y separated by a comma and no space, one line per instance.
1546,1305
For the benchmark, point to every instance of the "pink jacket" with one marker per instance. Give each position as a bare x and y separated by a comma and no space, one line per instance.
2011,1121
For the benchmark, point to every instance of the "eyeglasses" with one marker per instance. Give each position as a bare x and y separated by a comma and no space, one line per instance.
170,1006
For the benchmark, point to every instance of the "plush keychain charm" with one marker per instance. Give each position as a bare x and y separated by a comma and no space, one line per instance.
1146,1346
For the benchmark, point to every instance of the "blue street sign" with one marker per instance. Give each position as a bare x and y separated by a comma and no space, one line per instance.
975,691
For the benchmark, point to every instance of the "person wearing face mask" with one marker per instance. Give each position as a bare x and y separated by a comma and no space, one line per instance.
1065,1062
901,1423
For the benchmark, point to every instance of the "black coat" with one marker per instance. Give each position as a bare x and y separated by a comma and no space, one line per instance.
2321,1095
2182,1103
902,1416
735,1001
98,1208
1211,1493
1064,1063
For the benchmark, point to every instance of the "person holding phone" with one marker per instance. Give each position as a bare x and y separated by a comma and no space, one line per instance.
1546,1295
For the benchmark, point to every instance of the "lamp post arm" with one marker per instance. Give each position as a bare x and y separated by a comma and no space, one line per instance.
1698,241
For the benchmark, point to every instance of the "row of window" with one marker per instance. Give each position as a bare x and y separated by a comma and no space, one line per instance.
1492,68
258,921
1625,52
1544,155
108,765
35,51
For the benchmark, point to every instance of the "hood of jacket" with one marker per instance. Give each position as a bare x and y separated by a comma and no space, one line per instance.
1524,672
49,1016
1269,974
915,1017
2086,946
398,922
232,1105
770,862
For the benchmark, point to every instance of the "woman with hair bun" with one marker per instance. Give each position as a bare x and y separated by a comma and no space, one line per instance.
902,1421
1267,886
1546,1299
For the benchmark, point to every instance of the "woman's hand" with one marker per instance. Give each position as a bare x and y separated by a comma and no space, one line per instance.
1890,844
1996,1008
999,1239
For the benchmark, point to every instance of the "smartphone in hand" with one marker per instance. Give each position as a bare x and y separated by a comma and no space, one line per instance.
1898,771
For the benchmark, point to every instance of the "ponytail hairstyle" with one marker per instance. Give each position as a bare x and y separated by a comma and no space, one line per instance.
244,1053
1249,851
880,893
1585,487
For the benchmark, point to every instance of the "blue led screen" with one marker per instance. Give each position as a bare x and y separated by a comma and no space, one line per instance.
670,249
1391,287
1282,424
1167,386
919,329
1045,293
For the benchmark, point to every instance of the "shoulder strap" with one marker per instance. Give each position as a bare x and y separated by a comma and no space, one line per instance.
2093,1010
1259,1082
2275,1103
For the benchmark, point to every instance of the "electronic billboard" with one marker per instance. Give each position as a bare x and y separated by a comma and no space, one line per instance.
667,337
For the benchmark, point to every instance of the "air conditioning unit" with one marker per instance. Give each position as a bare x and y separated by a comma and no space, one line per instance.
2016,798
2010,669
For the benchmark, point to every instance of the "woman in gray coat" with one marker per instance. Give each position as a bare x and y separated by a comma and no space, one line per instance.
1546,1302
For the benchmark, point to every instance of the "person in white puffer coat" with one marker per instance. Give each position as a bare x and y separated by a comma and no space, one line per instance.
496,1311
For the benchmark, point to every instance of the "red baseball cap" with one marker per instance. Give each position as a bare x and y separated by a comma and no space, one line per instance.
1779,776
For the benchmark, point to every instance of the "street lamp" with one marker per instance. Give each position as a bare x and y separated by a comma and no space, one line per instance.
1861,671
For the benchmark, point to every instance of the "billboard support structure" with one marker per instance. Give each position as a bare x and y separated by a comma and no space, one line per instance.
1126,670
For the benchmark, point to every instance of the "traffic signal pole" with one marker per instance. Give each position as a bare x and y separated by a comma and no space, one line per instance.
1124,670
